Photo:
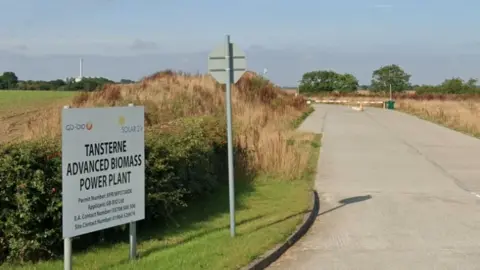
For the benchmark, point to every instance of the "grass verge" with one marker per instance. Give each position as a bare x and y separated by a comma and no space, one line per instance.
297,122
267,212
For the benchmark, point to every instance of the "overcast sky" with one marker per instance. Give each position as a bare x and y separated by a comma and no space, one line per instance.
430,39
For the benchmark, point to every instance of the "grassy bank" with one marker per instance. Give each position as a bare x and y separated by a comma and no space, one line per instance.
185,177
262,113
268,210
463,116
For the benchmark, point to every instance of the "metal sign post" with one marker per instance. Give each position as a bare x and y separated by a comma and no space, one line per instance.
133,231
67,243
227,63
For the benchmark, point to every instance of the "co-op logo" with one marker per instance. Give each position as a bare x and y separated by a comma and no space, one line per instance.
79,126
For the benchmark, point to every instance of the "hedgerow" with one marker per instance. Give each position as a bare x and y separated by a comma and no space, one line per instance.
183,162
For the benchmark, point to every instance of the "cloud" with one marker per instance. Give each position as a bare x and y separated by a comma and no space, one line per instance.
20,47
254,47
141,45
14,47
383,6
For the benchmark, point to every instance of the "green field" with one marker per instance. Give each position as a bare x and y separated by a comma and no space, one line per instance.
16,99
268,210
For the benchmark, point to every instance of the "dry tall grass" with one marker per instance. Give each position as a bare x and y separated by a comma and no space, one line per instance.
463,116
384,95
262,114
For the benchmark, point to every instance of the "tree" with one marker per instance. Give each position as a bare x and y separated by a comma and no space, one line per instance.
86,84
57,83
8,80
327,81
458,86
346,83
472,83
126,81
392,75
454,85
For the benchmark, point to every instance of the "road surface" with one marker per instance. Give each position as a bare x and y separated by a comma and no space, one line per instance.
396,192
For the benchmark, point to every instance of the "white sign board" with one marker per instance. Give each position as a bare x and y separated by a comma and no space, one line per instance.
103,168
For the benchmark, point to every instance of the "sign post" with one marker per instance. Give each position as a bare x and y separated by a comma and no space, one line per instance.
103,172
67,241
227,63
133,232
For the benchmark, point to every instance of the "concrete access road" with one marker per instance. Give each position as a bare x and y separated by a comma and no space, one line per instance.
396,192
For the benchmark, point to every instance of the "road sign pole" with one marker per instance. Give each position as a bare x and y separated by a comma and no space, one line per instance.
67,253
228,102
133,231
227,63
133,240
67,243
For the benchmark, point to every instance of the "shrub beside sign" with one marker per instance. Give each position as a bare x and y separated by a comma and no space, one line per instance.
103,168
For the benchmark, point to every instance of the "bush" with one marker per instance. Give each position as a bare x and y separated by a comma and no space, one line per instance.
327,81
184,161
30,199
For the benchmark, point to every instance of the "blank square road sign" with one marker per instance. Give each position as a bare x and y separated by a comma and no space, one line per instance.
217,63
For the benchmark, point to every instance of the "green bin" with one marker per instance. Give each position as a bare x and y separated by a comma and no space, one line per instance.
390,104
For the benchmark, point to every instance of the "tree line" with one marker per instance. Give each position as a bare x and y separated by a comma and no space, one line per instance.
383,79
10,81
